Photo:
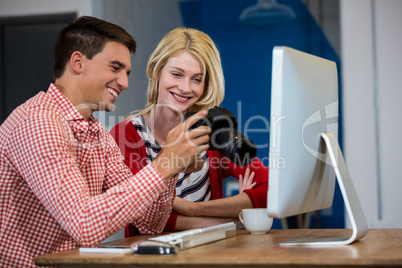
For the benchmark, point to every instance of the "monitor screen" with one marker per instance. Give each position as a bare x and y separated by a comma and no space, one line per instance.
304,152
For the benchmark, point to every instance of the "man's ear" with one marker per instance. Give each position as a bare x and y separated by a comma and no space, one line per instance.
76,62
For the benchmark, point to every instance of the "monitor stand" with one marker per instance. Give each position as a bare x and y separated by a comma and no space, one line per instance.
352,204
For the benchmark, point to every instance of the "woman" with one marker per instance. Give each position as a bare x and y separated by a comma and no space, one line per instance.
185,75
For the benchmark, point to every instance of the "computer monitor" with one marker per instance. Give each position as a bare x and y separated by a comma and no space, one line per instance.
305,157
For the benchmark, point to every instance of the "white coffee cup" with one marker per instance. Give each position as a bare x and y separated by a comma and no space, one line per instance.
256,220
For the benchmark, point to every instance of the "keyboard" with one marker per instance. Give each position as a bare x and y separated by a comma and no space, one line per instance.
196,237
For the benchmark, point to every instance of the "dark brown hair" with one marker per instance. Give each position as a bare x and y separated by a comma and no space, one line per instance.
89,36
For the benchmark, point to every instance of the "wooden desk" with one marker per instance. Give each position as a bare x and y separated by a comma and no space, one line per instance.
380,247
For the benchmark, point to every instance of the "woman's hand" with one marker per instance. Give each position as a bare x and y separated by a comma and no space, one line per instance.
247,182
223,207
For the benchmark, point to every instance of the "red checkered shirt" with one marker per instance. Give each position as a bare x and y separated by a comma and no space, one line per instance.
63,183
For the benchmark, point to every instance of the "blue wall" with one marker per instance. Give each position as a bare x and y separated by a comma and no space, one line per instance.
246,51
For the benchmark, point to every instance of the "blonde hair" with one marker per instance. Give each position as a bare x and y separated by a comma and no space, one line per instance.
203,48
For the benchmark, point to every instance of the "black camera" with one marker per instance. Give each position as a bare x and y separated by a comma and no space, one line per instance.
225,138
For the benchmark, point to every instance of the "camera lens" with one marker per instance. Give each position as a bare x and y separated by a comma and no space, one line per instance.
225,138
236,147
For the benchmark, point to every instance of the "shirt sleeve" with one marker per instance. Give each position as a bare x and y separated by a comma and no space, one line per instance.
156,215
46,157
133,149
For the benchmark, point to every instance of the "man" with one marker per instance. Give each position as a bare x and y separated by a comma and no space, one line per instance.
63,183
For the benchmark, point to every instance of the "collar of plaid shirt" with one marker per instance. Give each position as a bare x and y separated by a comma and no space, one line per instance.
76,121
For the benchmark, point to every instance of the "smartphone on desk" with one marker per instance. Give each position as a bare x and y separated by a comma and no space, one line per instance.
154,247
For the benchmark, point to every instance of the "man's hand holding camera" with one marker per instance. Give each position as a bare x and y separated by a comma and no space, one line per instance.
182,147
